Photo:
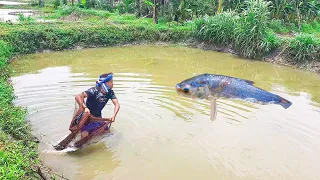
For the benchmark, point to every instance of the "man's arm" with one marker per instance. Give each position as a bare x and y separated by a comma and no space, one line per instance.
80,100
116,109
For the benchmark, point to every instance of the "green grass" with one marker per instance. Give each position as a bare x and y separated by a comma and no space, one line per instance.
252,35
17,146
17,158
246,32
32,38
278,26
303,48
217,29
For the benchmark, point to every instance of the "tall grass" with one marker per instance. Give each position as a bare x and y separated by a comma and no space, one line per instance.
295,10
251,30
250,34
217,29
247,32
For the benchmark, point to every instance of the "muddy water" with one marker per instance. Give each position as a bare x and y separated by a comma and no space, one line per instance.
12,14
160,135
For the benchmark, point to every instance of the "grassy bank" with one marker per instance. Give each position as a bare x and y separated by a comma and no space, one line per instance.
249,33
29,39
18,150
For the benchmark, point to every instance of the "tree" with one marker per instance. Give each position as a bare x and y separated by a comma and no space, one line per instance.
155,11
138,11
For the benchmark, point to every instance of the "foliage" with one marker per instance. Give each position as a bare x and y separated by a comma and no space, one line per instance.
247,32
303,48
251,30
16,154
216,29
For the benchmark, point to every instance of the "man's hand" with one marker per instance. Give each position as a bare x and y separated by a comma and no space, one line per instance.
87,110
113,118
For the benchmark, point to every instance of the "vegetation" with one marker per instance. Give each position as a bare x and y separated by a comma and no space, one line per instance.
303,48
182,10
250,34
32,38
251,28
18,149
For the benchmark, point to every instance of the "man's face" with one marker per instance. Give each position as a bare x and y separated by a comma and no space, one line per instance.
110,83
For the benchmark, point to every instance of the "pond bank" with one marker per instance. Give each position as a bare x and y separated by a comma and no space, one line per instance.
34,38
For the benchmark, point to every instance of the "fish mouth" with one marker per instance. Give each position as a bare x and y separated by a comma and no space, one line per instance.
178,88
182,90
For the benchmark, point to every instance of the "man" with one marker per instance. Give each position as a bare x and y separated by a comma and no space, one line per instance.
97,98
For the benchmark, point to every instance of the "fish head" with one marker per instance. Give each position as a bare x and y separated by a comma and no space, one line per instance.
193,88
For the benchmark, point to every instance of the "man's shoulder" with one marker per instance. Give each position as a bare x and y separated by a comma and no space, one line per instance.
111,94
111,91
91,91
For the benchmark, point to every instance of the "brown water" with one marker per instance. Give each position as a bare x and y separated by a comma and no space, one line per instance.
160,135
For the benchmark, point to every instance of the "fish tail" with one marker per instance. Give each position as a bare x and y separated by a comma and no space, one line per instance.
285,103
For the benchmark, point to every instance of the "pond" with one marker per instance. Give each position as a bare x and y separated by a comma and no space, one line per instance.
161,135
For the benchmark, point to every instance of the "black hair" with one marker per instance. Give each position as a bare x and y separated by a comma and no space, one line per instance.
105,75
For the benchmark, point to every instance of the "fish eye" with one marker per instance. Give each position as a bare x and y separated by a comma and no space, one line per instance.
182,85
186,90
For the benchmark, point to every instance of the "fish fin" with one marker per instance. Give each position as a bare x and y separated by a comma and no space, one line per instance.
213,109
285,103
247,81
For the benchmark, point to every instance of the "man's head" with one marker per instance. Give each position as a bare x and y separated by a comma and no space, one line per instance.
105,82
109,82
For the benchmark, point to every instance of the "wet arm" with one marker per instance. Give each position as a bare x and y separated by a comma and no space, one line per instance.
116,107
80,99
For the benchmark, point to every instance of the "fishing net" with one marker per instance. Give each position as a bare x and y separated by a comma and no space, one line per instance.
76,108
94,139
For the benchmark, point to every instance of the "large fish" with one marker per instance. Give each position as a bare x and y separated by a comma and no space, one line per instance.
214,86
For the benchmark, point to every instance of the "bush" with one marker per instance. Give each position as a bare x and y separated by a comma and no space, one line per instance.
247,32
216,29
303,48
39,38
251,30
5,49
